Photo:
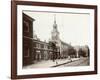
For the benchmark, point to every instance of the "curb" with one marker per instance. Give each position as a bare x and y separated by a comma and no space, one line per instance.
64,63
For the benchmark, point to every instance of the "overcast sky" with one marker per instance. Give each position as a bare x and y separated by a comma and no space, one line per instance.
73,27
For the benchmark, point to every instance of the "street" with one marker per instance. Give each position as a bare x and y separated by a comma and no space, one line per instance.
83,61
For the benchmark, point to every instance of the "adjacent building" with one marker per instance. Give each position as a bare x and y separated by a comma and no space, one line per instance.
27,39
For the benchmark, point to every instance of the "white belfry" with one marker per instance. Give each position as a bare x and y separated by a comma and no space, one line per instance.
55,33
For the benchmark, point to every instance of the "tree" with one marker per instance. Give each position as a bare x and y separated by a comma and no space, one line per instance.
54,48
71,51
82,53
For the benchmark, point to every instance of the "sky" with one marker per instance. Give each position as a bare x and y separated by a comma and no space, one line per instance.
73,27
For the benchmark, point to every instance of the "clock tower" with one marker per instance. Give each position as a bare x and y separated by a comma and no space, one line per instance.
55,33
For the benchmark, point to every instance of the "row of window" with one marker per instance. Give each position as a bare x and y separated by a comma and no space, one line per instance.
45,46
27,52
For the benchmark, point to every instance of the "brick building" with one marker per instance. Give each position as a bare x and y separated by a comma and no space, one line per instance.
27,39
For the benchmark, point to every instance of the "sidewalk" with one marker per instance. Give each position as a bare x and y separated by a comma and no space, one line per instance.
50,63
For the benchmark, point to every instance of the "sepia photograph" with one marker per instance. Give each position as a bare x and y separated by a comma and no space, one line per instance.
55,39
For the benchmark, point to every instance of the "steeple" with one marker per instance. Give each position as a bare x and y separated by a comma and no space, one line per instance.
55,33
55,25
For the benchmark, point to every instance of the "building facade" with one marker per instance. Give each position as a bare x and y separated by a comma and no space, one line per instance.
44,51
27,39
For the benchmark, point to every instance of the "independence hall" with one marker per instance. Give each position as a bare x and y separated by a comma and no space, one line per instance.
35,50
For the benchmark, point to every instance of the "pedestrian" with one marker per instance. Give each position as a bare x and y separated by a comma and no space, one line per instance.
56,62
69,58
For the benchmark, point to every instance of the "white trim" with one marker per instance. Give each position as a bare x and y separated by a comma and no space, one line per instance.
21,71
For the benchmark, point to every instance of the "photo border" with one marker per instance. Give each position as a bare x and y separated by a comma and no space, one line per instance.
14,38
